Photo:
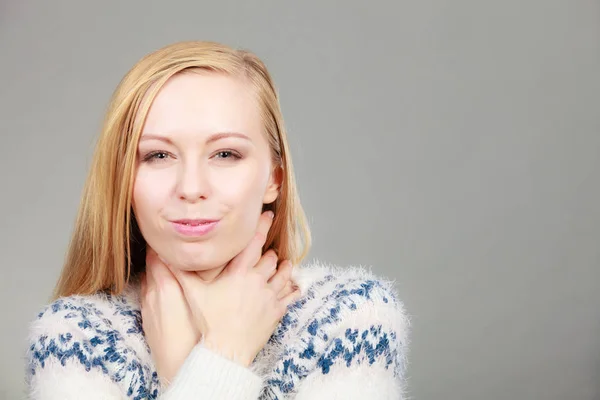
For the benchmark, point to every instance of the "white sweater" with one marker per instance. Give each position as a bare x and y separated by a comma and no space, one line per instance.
346,338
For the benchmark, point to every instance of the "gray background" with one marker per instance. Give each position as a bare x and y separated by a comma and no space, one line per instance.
452,145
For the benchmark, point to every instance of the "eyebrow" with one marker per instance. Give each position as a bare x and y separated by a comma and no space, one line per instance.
212,138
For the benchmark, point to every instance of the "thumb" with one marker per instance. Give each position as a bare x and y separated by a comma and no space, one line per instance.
189,281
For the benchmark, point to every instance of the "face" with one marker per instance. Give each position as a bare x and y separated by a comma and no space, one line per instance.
203,171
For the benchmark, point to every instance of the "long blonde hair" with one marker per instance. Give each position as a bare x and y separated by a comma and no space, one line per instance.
107,247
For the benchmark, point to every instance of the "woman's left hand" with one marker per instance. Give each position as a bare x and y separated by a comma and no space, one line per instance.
166,319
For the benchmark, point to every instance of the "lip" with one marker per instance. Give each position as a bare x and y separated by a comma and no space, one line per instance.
194,227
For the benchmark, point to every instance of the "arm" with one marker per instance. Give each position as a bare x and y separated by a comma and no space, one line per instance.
373,373
205,375
76,353
364,356
71,381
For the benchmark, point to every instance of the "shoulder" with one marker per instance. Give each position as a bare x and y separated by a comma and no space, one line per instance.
349,320
67,320
97,318
97,338
354,293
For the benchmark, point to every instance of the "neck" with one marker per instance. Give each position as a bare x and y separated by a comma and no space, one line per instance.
211,274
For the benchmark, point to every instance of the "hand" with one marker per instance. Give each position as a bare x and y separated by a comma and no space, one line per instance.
166,319
238,311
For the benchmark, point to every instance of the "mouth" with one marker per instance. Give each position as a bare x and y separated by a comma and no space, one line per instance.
194,222
194,227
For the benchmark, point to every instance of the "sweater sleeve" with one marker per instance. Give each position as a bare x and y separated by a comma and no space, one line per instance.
207,375
360,347
75,352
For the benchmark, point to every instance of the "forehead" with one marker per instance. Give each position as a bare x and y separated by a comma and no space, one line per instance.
204,102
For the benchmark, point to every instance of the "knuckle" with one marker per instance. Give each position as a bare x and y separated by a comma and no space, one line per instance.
271,295
269,254
284,274
285,265
236,278
270,259
256,280
267,220
260,237
273,260
167,286
281,308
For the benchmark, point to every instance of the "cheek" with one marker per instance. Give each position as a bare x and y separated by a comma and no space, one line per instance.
242,189
150,193
241,193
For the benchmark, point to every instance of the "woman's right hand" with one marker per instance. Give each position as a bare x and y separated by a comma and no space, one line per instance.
237,312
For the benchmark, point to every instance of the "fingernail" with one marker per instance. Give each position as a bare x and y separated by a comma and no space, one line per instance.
271,214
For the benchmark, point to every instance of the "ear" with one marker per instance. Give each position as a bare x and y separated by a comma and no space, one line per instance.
274,185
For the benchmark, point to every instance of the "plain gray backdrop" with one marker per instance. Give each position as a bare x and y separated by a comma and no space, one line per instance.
451,145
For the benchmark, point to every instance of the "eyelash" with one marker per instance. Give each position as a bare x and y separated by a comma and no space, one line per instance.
152,156
232,153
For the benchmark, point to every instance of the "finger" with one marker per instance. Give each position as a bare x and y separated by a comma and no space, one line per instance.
143,294
253,251
189,281
272,274
143,285
161,274
283,275
287,289
291,299
151,261
151,256
265,222
250,256
149,274
267,266
158,270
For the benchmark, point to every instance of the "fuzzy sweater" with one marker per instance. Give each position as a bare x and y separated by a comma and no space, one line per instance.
345,338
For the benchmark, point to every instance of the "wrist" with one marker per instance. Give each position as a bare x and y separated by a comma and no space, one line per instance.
225,351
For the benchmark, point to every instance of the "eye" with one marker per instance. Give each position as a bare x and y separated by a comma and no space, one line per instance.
227,154
156,156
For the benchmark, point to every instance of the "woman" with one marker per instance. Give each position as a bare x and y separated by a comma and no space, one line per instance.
182,279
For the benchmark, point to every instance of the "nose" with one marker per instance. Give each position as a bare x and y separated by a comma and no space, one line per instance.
193,183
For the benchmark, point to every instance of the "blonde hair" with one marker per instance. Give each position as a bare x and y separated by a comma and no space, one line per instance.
106,247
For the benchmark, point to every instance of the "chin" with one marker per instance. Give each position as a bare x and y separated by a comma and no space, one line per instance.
194,257
194,262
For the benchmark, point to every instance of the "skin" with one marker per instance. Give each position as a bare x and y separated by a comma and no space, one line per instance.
217,287
203,154
235,314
